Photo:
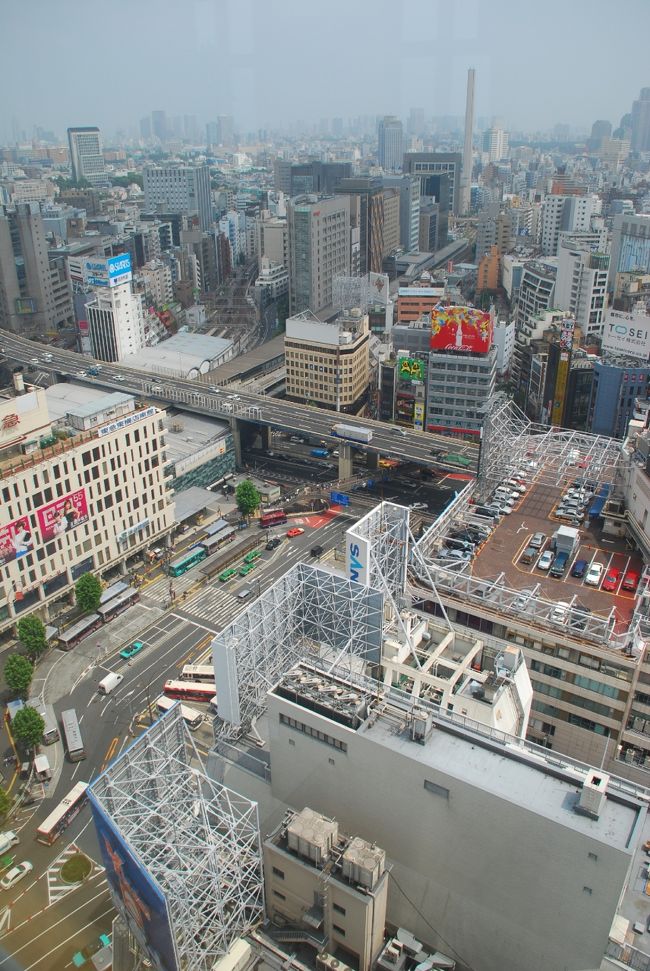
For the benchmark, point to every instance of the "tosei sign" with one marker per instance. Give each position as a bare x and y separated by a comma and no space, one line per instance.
627,334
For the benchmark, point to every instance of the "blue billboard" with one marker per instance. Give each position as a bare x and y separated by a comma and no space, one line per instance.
117,265
108,272
339,499
135,893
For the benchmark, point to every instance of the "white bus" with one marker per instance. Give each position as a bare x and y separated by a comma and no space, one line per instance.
198,672
191,717
50,830
72,735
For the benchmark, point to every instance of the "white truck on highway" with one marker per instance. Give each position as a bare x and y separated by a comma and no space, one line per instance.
353,433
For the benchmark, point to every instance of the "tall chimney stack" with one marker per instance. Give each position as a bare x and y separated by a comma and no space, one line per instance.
466,177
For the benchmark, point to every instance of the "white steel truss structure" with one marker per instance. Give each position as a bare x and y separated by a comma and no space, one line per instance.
510,440
386,530
308,612
199,841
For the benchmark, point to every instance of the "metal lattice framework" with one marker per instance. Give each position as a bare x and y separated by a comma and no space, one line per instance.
386,528
510,440
198,840
308,612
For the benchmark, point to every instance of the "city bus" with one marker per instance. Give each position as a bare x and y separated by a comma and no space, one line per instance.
72,739
184,563
83,628
114,590
189,690
213,543
198,672
118,604
52,827
274,517
191,718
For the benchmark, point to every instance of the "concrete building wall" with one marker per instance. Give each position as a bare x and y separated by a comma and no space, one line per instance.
492,875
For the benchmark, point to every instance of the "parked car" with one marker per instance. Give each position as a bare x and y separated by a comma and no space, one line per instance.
579,568
545,560
560,612
528,556
16,874
630,581
611,580
537,540
594,574
295,531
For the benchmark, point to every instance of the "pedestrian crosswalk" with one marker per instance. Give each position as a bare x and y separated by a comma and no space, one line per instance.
56,887
160,591
214,605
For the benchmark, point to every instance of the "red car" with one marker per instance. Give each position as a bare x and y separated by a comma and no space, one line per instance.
630,581
611,580
296,531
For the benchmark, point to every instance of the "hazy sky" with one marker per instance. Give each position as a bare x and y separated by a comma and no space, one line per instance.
538,62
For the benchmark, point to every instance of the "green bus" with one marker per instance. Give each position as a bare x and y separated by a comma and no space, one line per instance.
186,562
252,556
453,459
227,574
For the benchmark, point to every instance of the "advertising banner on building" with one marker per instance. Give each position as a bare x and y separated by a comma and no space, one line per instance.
418,416
627,334
136,895
357,556
460,329
108,273
410,369
15,540
63,515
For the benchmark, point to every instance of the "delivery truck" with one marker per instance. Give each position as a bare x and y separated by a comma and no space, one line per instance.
353,433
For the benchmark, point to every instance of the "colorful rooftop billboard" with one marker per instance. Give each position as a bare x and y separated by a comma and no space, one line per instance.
460,329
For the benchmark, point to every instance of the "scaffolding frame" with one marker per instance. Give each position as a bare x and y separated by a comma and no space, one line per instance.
199,841
308,612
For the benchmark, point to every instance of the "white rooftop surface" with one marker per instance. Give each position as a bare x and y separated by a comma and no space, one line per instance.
510,779
181,353
197,431
80,399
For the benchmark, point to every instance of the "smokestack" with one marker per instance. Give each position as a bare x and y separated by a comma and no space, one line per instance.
466,178
19,382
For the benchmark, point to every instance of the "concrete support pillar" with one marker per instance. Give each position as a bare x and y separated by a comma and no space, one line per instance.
372,460
266,436
123,567
345,461
236,437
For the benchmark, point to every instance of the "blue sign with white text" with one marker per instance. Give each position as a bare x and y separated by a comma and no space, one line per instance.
117,265
135,893
339,499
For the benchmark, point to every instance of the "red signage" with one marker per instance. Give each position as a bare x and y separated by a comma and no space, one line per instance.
10,421
62,515
460,329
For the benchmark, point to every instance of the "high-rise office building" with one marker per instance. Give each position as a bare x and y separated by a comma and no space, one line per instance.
630,246
86,156
581,285
466,178
495,144
439,174
390,143
367,216
409,208
226,129
159,125
115,315
179,188
565,213
145,128
35,293
641,122
319,249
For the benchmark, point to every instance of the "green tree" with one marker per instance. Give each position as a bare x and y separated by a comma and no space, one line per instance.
5,804
28,726
88,592
31,632
18,673
247,498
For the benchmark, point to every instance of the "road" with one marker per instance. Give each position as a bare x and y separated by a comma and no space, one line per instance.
46,922
407,445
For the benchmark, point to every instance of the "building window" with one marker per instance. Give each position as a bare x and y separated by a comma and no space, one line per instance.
436,789
338,930
312,732
280,896
340,910
278,873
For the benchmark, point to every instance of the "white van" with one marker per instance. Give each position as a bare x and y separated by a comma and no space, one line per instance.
7,840
109,683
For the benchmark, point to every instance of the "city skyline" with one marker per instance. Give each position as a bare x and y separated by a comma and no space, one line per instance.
225,62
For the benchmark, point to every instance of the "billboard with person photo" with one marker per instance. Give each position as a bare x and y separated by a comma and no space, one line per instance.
15,540
62,515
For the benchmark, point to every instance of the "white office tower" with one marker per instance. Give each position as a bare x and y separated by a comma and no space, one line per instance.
466,178
565,214
581,284
115,323
87,156
390,143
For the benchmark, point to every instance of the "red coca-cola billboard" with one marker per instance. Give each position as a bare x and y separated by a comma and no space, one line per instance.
460,329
